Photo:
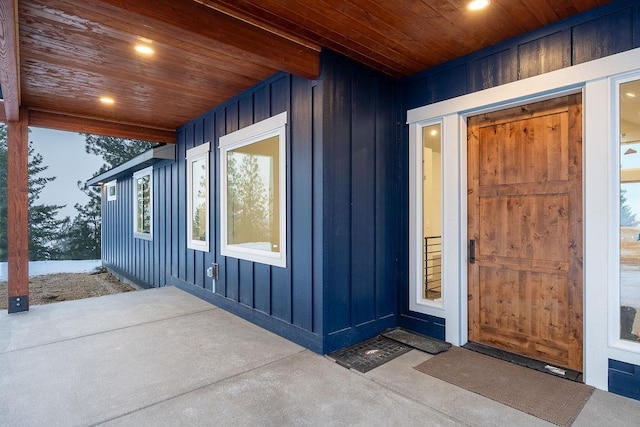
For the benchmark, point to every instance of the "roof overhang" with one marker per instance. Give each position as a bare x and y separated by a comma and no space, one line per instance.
144,160
59,57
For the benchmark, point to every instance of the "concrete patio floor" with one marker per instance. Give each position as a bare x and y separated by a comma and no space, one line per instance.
164,357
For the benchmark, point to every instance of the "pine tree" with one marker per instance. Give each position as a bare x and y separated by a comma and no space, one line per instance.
199,226
627,217
114,151
83,234
44,226
251,201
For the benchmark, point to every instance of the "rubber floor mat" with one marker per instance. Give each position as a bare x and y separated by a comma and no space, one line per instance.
420,342
369,354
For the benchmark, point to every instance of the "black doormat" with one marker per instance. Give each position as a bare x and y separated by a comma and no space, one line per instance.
420,342
369,354
527,362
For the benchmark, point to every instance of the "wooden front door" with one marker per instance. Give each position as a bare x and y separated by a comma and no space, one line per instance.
525,217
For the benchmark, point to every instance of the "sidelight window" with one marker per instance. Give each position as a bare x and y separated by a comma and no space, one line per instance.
426,220
629,149
432,212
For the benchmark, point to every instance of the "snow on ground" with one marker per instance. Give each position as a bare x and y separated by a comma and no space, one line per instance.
40,268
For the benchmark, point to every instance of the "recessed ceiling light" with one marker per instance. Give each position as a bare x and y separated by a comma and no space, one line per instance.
144,49
631,94
107,100
478,4
434,132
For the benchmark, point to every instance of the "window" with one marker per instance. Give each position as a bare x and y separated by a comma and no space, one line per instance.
629,145
111,190
253,192
426,221
432,212
198,197
143,204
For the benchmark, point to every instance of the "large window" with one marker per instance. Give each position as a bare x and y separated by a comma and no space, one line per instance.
253,192
629,125
198,197
143,204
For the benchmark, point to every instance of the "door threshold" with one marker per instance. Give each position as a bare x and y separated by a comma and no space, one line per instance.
525,361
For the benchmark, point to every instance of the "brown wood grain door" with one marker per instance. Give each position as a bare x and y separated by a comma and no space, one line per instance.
525,215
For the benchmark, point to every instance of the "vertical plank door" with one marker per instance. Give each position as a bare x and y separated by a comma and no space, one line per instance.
525,215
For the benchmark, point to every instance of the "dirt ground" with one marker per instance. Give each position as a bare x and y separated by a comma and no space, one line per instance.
52,288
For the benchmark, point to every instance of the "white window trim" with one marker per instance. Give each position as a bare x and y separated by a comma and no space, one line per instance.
600,205
108,186
136,175
417,302
630,175
193,155
273,126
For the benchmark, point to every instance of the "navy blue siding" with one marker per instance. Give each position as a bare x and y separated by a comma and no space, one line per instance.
347,187
256,291
342,164
624,379
548,53
143,262
603,31
360,205
302,169
281,296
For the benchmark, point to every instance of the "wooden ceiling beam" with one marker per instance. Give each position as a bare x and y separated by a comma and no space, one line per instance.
9,63
189,20
69,123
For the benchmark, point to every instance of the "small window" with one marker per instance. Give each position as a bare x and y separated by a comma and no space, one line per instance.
253,192
198,197
111,190
143,204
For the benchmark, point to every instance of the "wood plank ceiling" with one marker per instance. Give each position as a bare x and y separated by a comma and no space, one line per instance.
72,52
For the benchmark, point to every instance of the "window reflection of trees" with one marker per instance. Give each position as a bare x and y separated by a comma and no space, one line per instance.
199,194
250,202
144,204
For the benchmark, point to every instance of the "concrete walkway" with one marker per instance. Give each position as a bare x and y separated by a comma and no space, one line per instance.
163,357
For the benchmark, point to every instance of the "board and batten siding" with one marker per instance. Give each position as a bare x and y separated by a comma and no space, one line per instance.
360,202
287,300
340,283
339,286
604,31
143,262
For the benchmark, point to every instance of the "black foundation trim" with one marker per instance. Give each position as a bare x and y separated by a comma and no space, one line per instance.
18,304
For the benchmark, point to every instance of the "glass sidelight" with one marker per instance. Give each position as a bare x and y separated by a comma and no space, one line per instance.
629,148
432,212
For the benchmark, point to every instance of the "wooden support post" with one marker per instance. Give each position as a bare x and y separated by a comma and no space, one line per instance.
17,212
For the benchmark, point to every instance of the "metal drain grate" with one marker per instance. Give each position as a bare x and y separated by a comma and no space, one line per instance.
369,354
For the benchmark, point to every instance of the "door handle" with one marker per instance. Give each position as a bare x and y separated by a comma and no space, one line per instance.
472,251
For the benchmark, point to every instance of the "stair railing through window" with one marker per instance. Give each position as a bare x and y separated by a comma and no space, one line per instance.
432,268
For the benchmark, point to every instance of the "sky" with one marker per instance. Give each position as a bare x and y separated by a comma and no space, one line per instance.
65,155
